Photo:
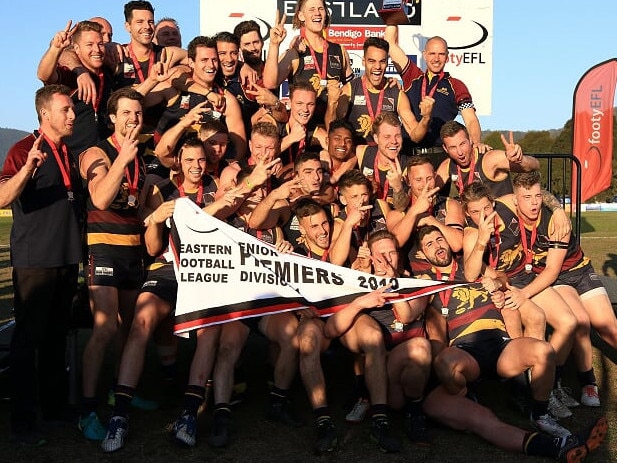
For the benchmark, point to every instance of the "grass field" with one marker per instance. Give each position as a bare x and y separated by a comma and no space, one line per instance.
258,441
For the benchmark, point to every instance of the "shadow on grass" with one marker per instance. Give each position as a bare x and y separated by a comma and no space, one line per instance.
610,264
586,227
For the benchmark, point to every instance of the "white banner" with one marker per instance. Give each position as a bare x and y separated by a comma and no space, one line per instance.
225,274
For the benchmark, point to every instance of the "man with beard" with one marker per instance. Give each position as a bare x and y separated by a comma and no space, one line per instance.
41,182
479,345
362,99
426,208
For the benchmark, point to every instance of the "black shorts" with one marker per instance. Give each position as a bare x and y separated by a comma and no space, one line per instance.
584,279
522,279
123,273
162,282
486,351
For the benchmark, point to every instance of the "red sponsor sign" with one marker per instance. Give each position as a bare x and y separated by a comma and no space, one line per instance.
353,37
592,139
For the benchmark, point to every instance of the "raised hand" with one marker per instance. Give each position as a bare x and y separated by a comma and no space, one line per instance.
426,106
160,71
262,95
129,147
278,31
514,152
297,133
424,202
486,227
195,115
36,157
62,39
394,175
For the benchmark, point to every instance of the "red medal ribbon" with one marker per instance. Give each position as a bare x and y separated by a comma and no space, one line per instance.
132,182
382,194
322,72
470,178
425,83
493,258
369,106
527,248
199,199
445,298
137,65
99,95
63,163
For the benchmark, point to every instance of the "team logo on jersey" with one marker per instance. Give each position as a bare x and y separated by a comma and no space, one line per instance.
335,61
128,70
366,124
308,62
468,297
513,227
185,102
443,91
295,224
359,100
388,105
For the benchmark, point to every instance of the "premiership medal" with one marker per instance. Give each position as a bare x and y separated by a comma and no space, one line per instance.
132,201
70,195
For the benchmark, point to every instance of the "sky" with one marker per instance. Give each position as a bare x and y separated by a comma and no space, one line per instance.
541,49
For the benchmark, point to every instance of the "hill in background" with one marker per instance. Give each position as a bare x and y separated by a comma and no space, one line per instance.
8,137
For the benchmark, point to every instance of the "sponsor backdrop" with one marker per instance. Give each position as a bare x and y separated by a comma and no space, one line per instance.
466,25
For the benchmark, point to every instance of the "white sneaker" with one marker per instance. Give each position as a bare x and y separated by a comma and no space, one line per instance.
590,397
565,397
546,423
116,434
556,408
358,412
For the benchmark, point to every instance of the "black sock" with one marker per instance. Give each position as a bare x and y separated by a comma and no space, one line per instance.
222,407
379,410
414,406
321,413
542,445
193,398
538,408
278,395
587,377
123,396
